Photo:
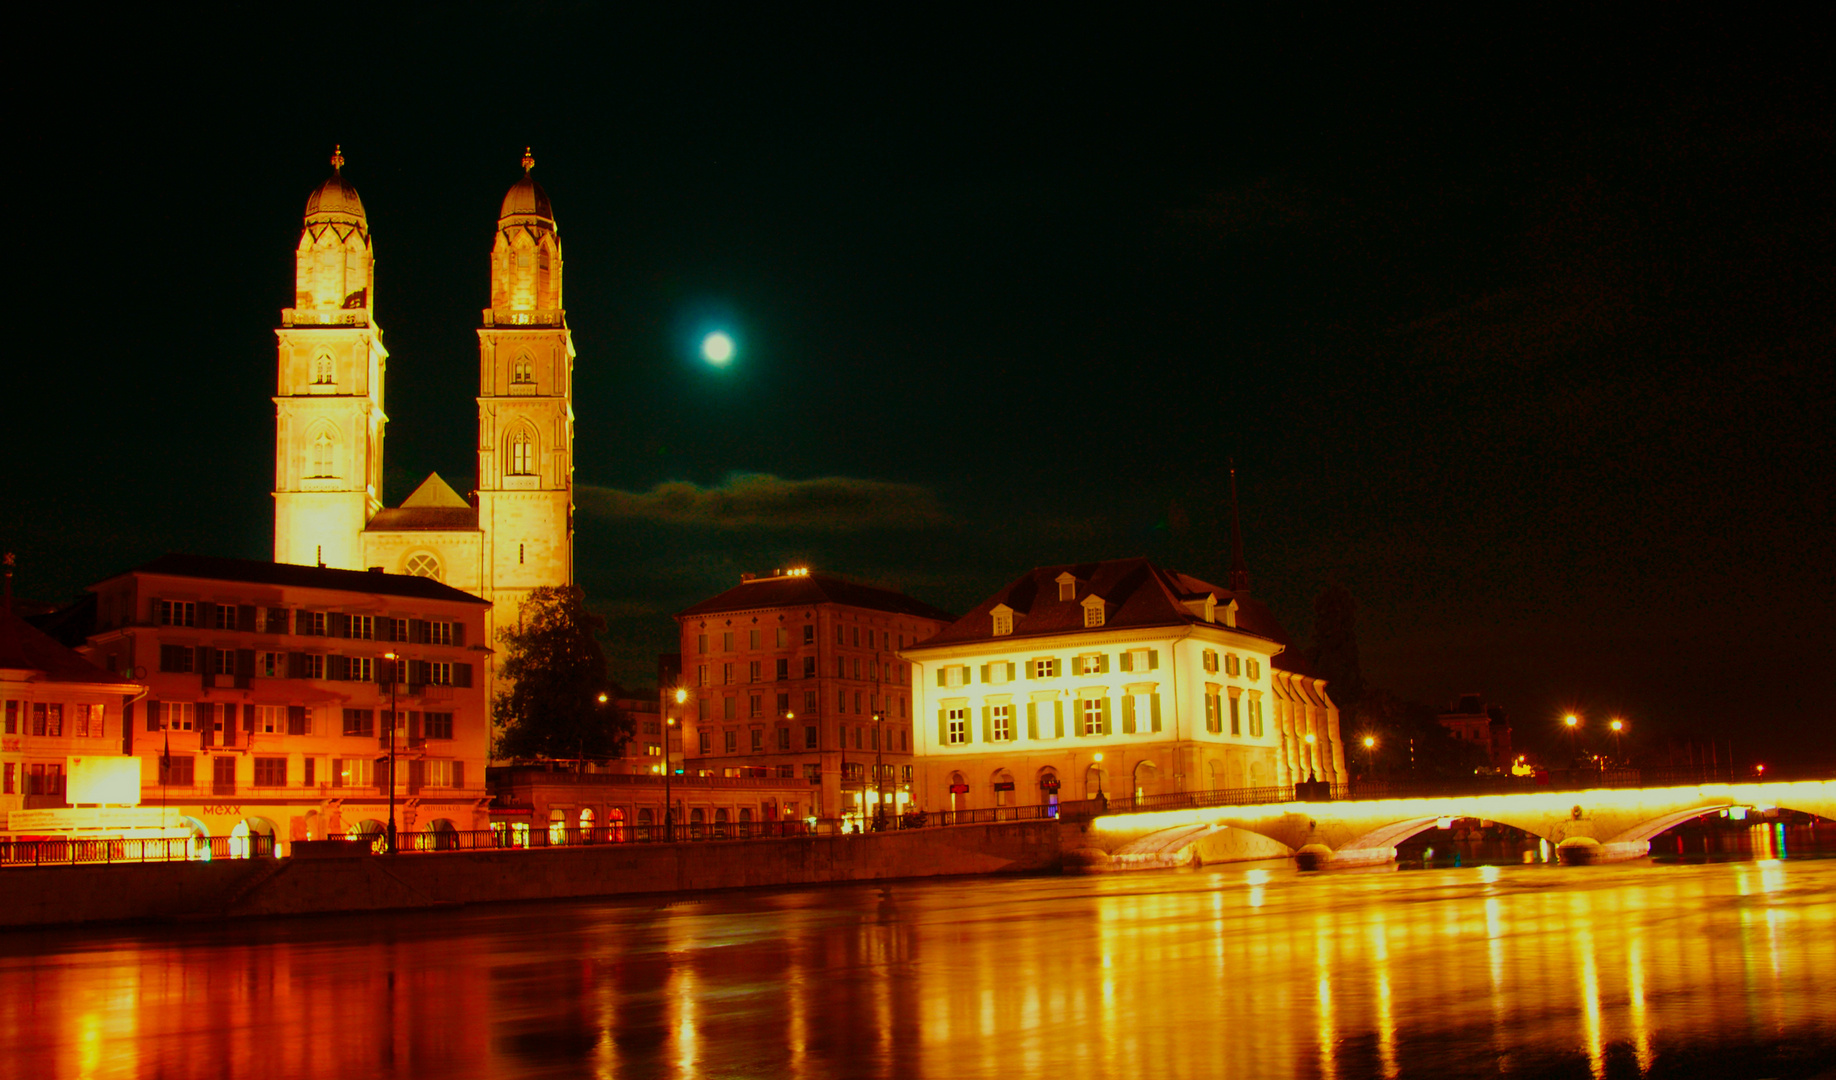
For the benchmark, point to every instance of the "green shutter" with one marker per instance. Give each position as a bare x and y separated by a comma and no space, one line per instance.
1236,723
1032,720
1010,671
940,675
943,727
987,725
1128,714
1154,709
1026,670
1128,661
1103,707
1154,660
1102,663
984,673
1058,718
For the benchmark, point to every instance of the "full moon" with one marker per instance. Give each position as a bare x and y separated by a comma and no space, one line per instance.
717,348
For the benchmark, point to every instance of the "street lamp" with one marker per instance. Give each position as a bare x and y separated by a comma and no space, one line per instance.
1574,737
394,685
1312,773
1370,747
879,771
1099,769
669,807
1618,726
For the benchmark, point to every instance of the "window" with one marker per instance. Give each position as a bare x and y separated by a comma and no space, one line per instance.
1067,587
1093,612
841,668
226,617
361,669
860,738
758,740
1090,664
1044,669
809,737
857,637
752,671
752,639
732,740
783,637
179,770
1003,622
313,623
322,370
726,674
756,706
783,668
809,701
10,786
442,772
323,453
439,673
1002,720
437,725
86,720
271,665
424,565
520,458
707,742
729,707
809,667
783,704
270,772
270,719
1255,668
439,633
12,718
653,749
809,633
362,627
784,738
813,773
956,726
178,715
353,772
841,701
1209,661
276,621
1231,665
1255,717
726,641
1214,721
953,675
177,613
1092,709
175,658
309,769
312,666
701,644
359,722
522,371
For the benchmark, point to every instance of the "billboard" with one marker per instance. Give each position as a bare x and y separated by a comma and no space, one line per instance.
112,779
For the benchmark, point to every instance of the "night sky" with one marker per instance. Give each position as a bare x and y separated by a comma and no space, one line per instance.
1520,331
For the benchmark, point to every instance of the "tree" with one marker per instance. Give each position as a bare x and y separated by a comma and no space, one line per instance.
556,701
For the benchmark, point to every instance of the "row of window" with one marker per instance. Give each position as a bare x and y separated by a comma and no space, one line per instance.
755,670
47,718
1085,717
864,704
249,618
218,721
180,770
781,638
1048,667
337,667
866,737
1233,665
1214,713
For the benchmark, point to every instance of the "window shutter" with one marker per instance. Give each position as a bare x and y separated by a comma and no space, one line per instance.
1058,718
337,770
1154,711
337,667
337,624
229,724
462,675
459,774
1153,659
1026,670
1128,714
152,715
204,715
417,631
1128,661
1102,663
458,633
943,725
301,621
987,725
245,667
984,673
1010,671
202,664
245,618
248,718
940,676
417,772
296,722
1105,706
296,665
1032,720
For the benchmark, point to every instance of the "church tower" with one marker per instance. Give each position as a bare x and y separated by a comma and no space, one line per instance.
329,389
525,407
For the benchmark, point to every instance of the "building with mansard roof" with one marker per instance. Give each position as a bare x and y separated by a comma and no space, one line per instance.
514,532
1117,678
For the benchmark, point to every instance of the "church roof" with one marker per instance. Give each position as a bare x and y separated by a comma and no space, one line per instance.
807,590
24,647
435,492
335,199
527,199
1136,594
214,568
425,519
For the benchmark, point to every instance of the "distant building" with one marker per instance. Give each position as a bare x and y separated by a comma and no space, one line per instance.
270,701
798,676
629,805
1178,684
55,706
1470,720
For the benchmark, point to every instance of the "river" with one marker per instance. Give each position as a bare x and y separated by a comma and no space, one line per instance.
1723,969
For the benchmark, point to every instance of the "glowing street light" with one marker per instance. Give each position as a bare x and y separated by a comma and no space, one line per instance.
1574,737
1618,727
1099,769
668,806
1370,748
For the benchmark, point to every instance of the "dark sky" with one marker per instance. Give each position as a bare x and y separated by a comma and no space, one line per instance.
1519,330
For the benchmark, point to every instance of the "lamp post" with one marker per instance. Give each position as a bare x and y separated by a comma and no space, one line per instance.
669,807
879,771
1618,727
1312,773
395,682
1099,769
1370,749
1574,738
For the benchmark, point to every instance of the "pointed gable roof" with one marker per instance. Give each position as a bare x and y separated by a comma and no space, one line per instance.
1136,594
24,647
434,507
435,492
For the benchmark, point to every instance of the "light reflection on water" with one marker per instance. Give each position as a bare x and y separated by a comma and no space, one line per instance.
1717,970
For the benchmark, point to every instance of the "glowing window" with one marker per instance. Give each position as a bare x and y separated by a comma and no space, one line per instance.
323,450
1093,716
424,565
1002,719
1003,623
322,371
522,371
956,726
520,457
1093,614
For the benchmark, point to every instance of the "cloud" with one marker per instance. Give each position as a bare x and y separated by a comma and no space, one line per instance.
763,501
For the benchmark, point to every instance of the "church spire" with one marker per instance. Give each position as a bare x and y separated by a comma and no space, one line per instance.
528,160
1239,572
337,158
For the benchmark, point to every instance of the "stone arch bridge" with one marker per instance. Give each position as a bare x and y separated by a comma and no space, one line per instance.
1584,826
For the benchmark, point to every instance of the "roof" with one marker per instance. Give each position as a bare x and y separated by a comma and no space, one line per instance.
335,200
1135,592
527,199
425,519
213,568
26,647
805,590
435,492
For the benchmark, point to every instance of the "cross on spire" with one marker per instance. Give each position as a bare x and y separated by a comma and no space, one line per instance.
337,158
528,161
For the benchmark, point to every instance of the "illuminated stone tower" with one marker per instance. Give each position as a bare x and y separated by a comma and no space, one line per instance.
525,406
329,389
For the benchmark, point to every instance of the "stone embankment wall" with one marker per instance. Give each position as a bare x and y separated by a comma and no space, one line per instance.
49,896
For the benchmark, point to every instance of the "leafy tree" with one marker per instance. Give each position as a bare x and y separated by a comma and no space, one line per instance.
554,677
1410,739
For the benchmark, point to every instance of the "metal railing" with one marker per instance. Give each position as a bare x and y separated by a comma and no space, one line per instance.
70,852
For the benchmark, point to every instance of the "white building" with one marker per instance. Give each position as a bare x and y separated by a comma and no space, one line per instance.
1117,677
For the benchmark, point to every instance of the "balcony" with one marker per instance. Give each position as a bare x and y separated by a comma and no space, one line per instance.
494,317
344,317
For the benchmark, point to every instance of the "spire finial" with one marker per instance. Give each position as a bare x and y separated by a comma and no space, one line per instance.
1239,572
337,158
528,161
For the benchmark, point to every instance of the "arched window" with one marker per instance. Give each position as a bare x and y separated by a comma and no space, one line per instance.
321,462
522,461
522,370
322,371
422,564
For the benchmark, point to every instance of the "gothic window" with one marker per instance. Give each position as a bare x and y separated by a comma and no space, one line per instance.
521,461
323,455
322,371
522,371
424,565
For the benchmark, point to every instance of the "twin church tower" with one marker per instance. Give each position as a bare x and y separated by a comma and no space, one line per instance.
517,532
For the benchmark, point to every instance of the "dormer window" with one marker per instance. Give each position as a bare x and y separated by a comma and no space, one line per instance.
1003,620
1230,614
1093,611
1067,586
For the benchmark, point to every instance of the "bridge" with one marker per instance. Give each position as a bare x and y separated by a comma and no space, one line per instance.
1585,816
